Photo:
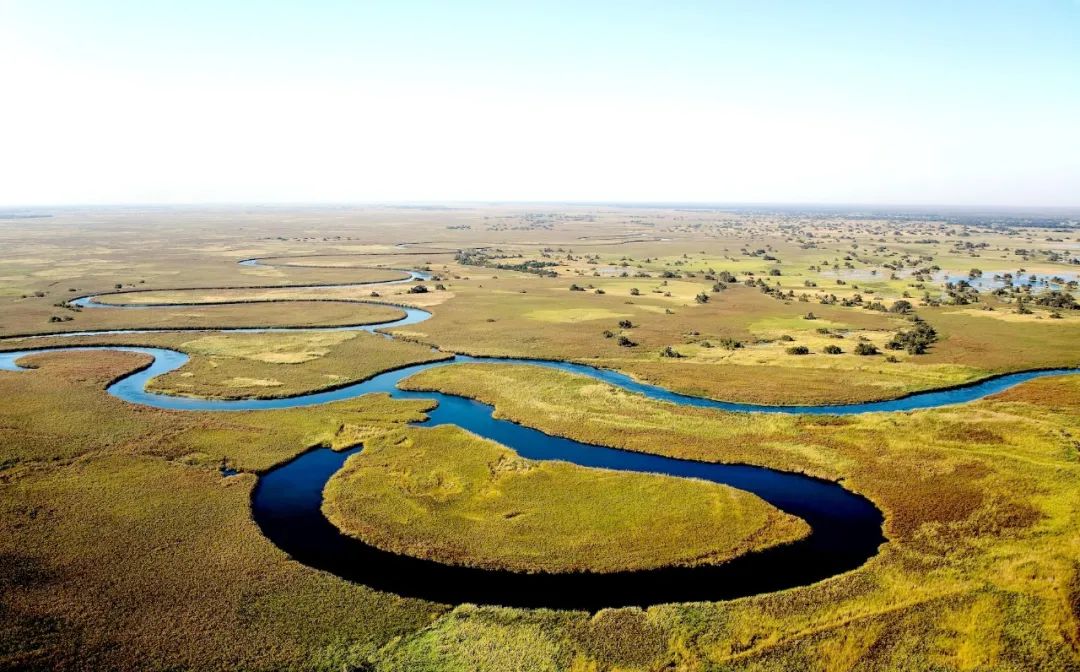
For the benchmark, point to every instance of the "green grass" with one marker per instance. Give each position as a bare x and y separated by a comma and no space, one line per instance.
302,313
266,365
448,495
244,365
505,322
982,508
122,547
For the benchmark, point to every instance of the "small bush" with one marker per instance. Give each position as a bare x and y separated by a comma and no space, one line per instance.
833,350
864,348
798,350
729,343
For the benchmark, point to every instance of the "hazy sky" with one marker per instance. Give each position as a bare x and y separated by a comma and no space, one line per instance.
757,101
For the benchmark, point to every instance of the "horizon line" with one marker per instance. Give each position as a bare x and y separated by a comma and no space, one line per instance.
955,207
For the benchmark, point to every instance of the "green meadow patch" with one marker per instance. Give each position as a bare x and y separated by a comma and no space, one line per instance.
447,495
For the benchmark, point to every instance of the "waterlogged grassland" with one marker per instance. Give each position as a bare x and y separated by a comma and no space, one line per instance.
225,365
123,547
108,504
313,313
450,496
89,251
391,293
267,365
64,394
982,505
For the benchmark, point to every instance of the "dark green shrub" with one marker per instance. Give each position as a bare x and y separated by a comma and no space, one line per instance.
864,348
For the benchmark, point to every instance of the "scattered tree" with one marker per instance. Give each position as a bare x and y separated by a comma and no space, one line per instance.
902,307
914,341
865,348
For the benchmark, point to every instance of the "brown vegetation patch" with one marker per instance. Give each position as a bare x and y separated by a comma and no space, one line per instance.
968,432
914,501
1057,392
622,637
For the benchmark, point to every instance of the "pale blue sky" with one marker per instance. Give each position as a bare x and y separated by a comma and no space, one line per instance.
865,102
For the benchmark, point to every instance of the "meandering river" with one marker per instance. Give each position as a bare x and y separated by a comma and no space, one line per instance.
286,503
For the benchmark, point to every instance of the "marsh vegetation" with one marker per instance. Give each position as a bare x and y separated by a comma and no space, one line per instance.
447,495
124,545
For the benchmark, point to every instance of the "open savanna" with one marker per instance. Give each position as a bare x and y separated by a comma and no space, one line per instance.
366,257
525,316
450,496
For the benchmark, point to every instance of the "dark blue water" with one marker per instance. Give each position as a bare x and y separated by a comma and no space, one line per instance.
286,502
846,532
132,387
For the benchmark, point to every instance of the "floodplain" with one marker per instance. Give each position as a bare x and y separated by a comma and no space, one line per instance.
128,538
